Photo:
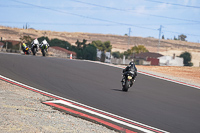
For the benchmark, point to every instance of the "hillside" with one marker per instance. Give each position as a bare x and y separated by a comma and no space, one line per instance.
119,43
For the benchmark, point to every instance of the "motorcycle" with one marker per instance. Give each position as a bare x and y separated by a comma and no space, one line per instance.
44,49
34,49
26,50
127,80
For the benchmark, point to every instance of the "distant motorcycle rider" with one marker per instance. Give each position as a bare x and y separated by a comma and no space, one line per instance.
131,67
35,41
44,42
24,46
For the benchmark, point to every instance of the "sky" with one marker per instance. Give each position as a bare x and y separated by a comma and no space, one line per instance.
143,18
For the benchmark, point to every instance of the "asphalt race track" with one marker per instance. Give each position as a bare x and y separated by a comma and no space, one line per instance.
158,103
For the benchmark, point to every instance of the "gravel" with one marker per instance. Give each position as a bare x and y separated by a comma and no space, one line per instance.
22,110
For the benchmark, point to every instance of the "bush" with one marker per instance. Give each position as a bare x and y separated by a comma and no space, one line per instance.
187,57
116,54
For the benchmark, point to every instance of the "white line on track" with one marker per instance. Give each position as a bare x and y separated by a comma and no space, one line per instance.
101,115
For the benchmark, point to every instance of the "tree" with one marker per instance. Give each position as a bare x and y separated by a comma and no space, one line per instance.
163,37
90,52
79,49
182,37
108,47
85,51
139,49
128,53
116,54
99,45
175,38
80,46
187,57
60,43
102,46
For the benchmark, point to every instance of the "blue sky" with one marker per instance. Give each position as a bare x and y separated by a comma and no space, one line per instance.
144,17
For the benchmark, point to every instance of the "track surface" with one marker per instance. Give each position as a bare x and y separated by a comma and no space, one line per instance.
165,105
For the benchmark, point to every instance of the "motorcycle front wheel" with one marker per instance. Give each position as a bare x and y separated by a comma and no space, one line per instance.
43,52
34,51
126,85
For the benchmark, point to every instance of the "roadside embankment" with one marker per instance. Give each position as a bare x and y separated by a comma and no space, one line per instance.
22,111
190,75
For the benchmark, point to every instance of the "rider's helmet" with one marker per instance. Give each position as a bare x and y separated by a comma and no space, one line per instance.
132,64
23,43
44,41
35,40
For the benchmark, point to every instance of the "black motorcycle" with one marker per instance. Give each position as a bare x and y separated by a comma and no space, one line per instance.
127,80
34,49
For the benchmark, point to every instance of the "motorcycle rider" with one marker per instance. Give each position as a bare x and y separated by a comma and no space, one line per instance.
24,46
35,41
131,67
44,42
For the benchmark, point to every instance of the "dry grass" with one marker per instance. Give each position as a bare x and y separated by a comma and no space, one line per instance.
188,74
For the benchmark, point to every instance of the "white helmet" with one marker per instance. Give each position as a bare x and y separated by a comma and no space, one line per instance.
44,41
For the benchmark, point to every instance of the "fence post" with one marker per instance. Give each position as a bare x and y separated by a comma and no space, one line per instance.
124,59
6,45
20,46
